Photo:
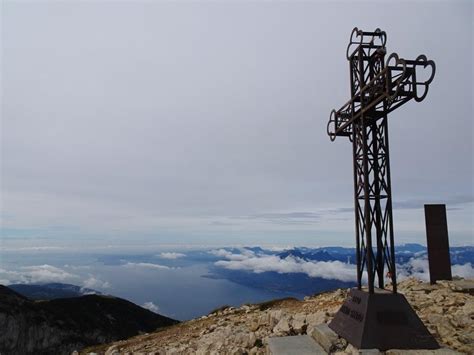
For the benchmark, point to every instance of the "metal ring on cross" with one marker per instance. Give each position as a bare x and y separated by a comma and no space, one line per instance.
332,119
357,33
421,60
399,64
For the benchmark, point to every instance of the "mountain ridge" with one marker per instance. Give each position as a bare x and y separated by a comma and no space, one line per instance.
61,325
52,290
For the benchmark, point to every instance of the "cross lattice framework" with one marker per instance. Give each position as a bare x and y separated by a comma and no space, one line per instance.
378,87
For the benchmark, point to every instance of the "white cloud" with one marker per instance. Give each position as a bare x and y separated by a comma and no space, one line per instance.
37,274
151,307
48,273
415,267
146,265
172,255
249,261
95,283
9,277
466,271
261,263
77,267
419,268
245,253
4,281
220,252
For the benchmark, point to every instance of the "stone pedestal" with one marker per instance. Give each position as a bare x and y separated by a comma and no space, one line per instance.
382,320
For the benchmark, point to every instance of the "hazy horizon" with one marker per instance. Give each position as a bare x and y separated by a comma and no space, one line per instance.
184,283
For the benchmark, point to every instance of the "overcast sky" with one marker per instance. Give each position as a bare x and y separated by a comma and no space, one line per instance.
205,122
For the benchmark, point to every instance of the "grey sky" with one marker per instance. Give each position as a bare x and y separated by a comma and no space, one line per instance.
185,121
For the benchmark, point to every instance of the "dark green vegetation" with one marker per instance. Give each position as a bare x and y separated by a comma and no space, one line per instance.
60,326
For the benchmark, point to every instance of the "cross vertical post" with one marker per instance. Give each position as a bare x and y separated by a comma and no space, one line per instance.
378,86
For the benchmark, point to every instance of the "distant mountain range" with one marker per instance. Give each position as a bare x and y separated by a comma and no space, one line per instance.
51,291
61,325
403,252
249,266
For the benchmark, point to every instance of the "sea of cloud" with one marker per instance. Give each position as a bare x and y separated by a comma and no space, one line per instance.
419,268
238,259
259,263
248,260
171,255
36,274
146,265
41,274
93,282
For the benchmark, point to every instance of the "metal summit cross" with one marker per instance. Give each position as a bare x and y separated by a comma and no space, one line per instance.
377,318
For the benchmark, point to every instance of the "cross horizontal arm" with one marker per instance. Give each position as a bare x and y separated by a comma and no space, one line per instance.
396,84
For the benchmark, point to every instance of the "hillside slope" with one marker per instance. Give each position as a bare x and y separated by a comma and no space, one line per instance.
61,325
447,309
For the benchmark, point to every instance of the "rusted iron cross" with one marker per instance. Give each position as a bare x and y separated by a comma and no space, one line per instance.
378,87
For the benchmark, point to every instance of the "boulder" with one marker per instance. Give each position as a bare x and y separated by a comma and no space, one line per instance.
283,327
325,337
314,319
274,317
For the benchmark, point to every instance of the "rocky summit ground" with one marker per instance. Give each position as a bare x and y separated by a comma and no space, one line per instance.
447,309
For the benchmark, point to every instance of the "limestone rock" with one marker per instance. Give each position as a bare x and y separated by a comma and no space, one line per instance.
113,350
298,323
354,351
325,336
314,319
254,324
282,327
274,317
